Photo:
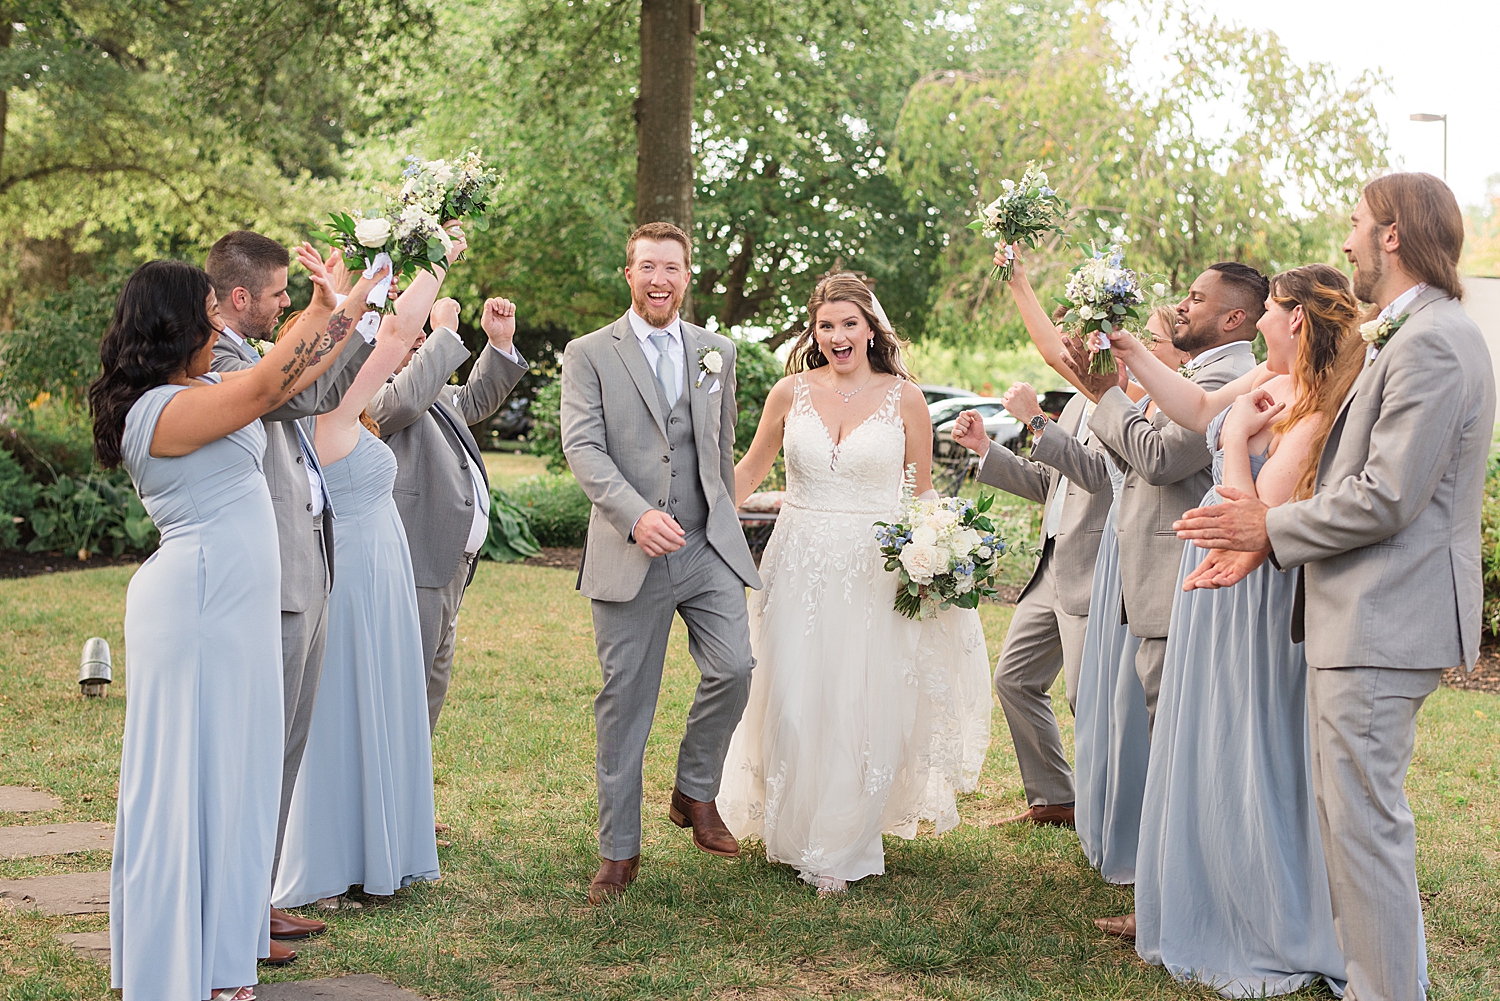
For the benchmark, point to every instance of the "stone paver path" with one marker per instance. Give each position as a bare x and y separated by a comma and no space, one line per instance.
88,944
363,987
32,840
73,893
19,799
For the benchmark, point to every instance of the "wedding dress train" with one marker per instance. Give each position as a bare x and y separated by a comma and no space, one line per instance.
860,721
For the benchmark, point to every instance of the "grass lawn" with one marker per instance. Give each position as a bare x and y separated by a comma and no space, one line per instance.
977,913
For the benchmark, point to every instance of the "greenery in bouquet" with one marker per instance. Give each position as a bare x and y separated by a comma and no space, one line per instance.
459,190
944,552
1024,212
1104,296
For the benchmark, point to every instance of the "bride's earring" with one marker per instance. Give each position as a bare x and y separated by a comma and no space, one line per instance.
872,342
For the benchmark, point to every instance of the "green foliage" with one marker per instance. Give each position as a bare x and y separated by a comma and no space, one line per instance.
95,513
17,495
510,539
54,346
1489,531
556,508
50,438
545,438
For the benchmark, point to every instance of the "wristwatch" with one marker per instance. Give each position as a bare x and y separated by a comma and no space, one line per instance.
1037,423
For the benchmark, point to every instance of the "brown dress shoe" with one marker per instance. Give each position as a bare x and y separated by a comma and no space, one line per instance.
710,833
612,879
1052,816
280,955
1124,927
287,927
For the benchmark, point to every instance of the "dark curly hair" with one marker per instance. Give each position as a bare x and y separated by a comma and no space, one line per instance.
161,320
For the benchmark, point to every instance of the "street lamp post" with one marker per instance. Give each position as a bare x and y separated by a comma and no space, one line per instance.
1444,120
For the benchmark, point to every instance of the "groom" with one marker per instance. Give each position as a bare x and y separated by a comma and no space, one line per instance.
648,429
1389,545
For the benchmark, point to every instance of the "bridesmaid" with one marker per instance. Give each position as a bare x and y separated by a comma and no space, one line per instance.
364,815
1110,733
200,769
1231,889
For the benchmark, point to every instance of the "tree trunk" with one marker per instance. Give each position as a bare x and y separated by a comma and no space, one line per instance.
664,117
7,29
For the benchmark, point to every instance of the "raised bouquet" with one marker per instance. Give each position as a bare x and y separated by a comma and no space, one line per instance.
1022,214
408,229
1103,296
945,552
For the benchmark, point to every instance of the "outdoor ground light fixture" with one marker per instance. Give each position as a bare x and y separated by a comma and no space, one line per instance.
1444,120
94,673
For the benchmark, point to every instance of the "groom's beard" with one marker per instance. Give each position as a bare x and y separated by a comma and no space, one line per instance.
1367,278
657,316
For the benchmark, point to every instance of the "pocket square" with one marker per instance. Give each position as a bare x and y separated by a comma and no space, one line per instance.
715,387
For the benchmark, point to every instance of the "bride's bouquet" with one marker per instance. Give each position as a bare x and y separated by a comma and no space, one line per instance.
945,552
408,229
1102,296
1022,214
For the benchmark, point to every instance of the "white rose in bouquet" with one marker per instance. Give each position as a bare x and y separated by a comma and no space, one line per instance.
372,232
924,535
922,562
965,541
442,173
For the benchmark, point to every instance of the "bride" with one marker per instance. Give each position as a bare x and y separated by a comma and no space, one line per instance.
860,721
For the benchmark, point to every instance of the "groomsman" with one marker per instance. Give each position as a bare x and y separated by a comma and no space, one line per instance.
442,489
1390,550
1168,467
249,275
1068,472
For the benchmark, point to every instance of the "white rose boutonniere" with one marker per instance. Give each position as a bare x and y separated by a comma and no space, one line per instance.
710,362
260,346
1375,333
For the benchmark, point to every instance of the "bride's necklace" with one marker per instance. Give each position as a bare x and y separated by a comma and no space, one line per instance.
849,396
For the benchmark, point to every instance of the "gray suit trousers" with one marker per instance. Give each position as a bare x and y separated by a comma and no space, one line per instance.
1363,727
697,584
1042,640
303,636
1150,658
437,610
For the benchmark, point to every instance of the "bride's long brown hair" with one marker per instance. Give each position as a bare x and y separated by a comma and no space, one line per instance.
1330,353
845,286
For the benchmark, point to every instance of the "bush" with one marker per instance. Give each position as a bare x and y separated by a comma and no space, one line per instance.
54,346
510,539
17,496
556,507
90,514
1489,541
50,438
546,426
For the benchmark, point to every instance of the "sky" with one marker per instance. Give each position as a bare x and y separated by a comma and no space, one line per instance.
1438,55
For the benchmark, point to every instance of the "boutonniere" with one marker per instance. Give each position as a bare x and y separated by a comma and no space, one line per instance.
260,347
1188,371
1375,333
710,362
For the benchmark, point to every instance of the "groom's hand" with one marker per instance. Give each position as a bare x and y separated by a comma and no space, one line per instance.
657,533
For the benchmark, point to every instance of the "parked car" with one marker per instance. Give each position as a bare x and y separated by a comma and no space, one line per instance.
935,394
512,420
998,424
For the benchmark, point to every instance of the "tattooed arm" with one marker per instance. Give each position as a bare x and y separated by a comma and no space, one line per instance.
207,411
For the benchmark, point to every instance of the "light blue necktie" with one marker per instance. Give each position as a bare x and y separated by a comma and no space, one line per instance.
665,370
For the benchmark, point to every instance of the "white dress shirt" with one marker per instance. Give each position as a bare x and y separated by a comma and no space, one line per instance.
1053,518
1202,357
643,332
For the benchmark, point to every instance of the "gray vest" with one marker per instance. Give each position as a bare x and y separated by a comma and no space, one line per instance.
686,501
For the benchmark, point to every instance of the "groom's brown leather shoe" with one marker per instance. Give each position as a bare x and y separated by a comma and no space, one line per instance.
710,833
1052,816
287,927
612,879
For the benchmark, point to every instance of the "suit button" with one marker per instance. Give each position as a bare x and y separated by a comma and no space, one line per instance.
463,465
299,460
468,503
674,472
309,506
660,502
671,448
666,458
674,420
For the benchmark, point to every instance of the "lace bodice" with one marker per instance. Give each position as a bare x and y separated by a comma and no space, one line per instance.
861,474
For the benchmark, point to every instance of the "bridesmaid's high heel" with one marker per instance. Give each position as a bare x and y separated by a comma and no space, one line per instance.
234,994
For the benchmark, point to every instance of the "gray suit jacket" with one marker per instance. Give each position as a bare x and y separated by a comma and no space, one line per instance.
1058,453
1168,469
1389,541
303,578
614,435
425,421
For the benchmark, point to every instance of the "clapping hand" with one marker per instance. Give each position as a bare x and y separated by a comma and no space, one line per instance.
1223,568
1095,384
969,432
323,290
499,322
338,272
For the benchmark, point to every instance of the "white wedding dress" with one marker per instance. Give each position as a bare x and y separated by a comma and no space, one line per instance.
860,721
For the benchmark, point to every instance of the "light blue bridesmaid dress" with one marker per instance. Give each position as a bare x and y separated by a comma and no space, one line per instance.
1231,889
362,811
1111,737
200,770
